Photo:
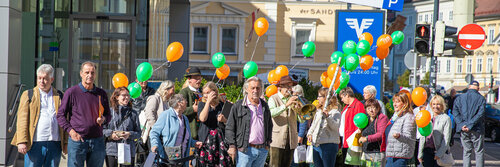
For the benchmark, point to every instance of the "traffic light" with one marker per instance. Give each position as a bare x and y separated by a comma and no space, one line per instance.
444,33
422,36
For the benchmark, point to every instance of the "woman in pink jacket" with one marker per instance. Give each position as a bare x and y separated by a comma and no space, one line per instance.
372,134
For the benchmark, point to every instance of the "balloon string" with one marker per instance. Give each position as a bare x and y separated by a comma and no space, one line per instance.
162,66
297,63
257,42
213,76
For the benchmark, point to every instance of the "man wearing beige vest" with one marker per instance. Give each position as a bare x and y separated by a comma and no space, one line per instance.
284,135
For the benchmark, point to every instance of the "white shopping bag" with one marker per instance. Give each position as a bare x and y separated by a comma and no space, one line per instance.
353,142
309,155
124,154
145,128
299,155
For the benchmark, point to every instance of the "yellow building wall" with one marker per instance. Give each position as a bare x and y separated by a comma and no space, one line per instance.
484,48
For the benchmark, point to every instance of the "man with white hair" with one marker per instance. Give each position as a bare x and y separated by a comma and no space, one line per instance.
249,126
371,92
38,135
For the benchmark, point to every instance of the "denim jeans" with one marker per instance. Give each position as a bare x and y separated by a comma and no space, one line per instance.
43,153
473,140
252,157
92,151
325,154
396,162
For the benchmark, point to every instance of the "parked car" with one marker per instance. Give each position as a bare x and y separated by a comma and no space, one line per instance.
493,122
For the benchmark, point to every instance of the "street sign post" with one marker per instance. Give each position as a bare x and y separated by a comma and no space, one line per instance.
384,4
372,21
471,36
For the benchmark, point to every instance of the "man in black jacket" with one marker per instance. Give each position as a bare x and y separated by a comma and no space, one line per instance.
139,103
248,128
468,113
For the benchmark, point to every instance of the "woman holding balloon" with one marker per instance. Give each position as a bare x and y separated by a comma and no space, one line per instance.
434,142
372,134
324,134
402,134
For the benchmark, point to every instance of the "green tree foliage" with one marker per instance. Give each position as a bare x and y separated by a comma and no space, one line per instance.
404,79
425,80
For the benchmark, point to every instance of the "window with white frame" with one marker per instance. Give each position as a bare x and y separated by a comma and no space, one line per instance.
438,66
459,66
450,15
448,66
410,20
301,37
491,33
200,39
303,30
228,42
440,17
426,18
479,65
469,66
489,64
419,18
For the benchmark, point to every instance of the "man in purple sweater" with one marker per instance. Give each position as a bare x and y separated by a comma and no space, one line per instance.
83,112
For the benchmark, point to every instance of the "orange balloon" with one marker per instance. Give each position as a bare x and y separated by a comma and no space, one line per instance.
367,36
223,72
384,41
331,72
120,80
174,51
261,25
406,92
272,77
271,90
323,78
281,71
419,96
382,53
423,118
366,62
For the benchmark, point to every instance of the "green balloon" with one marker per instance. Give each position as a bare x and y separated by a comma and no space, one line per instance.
397,37
144,71
308,48
344,80
352,62
250,69
349,47
363,47
134,89
426,131
218,60
361,120
335,58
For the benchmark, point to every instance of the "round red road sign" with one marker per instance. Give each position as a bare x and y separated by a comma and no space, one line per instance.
471,36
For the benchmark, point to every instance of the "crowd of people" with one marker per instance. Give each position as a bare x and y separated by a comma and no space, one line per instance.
87,126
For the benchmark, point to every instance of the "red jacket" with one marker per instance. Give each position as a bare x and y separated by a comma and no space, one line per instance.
349,127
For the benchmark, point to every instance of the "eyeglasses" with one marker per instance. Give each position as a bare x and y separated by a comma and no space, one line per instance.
320,96
371,108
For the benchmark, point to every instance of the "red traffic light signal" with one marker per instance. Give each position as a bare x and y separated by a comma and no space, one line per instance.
423,30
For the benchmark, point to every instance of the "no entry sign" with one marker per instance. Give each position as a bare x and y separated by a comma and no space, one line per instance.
471,36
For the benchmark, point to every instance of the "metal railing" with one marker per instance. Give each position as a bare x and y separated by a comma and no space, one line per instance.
13,110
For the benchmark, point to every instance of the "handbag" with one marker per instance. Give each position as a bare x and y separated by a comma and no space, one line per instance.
124,157
446,159
309,154
175,153
352,158
299,154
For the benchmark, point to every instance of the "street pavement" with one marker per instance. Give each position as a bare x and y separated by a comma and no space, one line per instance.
491,155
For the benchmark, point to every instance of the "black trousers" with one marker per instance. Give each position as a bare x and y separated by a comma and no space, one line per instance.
112,161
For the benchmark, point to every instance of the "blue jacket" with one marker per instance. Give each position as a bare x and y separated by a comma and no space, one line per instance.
468,110
167,126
